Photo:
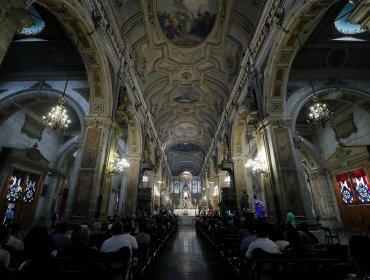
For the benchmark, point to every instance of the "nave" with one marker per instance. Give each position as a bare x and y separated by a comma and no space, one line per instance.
188,255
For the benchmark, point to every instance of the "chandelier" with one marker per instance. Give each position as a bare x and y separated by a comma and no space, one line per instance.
117,165
57,117
319,113
256,165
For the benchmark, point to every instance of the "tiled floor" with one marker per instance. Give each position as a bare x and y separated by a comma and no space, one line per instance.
188,256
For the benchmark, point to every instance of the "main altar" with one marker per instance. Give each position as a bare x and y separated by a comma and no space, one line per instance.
186,207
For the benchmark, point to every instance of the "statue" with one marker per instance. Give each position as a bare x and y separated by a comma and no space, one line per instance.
244,202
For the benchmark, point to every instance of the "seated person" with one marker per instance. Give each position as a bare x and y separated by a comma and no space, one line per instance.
13,241
359,257
263,242
248,239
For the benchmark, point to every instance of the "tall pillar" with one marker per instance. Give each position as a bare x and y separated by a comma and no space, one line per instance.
88,202
132,185
109,184
243,182
13,17
133,172
284,183
74,180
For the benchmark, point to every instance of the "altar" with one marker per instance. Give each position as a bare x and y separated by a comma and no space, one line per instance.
186,212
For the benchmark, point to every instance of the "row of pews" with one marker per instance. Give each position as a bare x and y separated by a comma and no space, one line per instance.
328,261
118,265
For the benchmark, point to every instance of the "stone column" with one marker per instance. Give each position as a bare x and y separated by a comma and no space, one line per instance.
132,186
241,182
13,16
74,180
155,192
284,183
109,181
92,187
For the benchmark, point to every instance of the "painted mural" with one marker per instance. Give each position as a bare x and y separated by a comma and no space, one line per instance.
186,22
186,95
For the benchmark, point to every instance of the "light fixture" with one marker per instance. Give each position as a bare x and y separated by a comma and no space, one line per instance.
117,165
319,114
57,117
256,165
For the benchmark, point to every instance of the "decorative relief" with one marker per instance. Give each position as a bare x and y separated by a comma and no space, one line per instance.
278,82
97,84
285,57
98,107
277,106
91,147
91,59
283,147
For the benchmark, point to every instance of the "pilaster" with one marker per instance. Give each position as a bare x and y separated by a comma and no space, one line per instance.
92,187
132,185
285,186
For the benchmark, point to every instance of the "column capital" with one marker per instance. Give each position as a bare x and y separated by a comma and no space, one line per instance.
275,121
104,122
98,121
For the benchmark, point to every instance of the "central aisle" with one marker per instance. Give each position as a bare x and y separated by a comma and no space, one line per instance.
188,256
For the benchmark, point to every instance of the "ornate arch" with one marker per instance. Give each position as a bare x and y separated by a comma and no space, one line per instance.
77,22
300,22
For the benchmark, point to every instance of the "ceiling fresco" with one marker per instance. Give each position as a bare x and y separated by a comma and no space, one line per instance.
187,59
186,22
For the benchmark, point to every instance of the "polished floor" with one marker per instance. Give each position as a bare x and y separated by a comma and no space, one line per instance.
188,256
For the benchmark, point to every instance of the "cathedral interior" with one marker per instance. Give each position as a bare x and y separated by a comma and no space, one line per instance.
183,104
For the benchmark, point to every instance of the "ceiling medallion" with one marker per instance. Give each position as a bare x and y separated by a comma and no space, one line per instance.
186,75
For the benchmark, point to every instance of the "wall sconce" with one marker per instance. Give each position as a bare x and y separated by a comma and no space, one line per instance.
117,165
215,191
156,192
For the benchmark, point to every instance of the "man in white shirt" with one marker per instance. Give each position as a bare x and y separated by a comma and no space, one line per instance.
126,234
117,241
262,242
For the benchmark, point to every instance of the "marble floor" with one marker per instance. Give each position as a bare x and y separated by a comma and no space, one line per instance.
188,256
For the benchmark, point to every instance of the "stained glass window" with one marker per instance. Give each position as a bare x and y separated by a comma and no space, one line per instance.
353,186
21,186
14,186
29,192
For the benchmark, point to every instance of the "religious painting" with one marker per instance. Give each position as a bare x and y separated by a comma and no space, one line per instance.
186,130
186,95
186,22
91,148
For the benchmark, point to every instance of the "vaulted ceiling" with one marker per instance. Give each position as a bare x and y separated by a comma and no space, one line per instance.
187,55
